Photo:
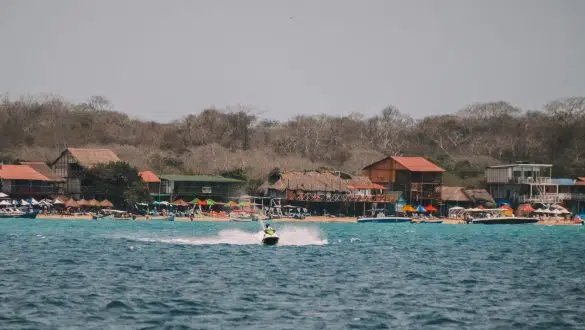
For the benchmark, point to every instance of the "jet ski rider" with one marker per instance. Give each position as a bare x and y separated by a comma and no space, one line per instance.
269,230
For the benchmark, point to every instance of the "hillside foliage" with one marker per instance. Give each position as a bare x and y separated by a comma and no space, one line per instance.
237,142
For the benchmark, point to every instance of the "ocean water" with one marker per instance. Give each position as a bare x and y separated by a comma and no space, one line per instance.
149,275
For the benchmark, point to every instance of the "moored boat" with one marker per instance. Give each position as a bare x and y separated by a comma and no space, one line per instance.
384,219
504,220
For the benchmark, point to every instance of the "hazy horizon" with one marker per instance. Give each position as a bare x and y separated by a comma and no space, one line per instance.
164,60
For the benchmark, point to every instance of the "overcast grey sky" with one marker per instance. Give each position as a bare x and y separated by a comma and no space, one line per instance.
162,60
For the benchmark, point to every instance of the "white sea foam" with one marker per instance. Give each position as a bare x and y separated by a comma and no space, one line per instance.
289,236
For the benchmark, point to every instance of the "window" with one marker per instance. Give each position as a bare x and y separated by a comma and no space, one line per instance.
206,190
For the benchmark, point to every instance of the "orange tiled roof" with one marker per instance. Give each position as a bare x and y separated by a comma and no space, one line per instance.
20,172
417,164
149,176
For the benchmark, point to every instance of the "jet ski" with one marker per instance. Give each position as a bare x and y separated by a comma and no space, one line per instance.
270,239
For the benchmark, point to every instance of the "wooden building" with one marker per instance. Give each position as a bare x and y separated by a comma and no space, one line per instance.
417,177
201,186
23,181
72,165
153,183
327,190
522,183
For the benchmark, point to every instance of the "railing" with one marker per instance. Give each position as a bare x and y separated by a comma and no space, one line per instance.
337,197
32,190
538,180
544,198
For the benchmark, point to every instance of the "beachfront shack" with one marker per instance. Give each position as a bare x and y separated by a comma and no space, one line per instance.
188,187
24,181
72,165
152,181
327,191
523,182
418,178
467,198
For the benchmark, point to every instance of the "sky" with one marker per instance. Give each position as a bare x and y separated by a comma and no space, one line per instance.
163,60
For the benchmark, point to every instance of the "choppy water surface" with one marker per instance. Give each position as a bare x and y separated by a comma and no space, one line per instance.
146,275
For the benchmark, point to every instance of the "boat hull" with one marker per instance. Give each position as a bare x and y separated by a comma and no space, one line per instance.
19,216
241,220
270,240
504,221
384,220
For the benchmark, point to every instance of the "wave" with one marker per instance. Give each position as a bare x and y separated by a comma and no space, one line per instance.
289,236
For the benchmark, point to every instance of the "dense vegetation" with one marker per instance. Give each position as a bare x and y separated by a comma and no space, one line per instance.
117,181
239,143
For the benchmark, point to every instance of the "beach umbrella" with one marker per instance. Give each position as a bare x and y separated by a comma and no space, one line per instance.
33,201
420,209
106,203
23,202
232,204
82,202
93,202
210,202
505,207
180,202
164,203
71,203
58,201
195,201
408,208
526,208
430,208
3,195
5,203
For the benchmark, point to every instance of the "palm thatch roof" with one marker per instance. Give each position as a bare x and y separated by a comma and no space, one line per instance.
93,202
324,180
82,202
454,194
106,203
71,203
479,195
90,157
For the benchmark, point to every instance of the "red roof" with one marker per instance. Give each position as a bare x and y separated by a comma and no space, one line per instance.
366,186
20,172
149,176
417,164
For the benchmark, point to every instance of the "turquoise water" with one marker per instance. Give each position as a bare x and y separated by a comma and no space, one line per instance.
141,275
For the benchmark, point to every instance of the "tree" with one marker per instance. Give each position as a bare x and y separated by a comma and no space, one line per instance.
119,182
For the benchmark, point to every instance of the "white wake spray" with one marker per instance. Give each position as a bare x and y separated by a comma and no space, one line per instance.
289,236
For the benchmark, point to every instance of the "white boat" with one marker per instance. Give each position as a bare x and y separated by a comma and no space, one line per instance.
382,217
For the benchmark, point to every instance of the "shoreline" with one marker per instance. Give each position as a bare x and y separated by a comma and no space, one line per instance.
310,219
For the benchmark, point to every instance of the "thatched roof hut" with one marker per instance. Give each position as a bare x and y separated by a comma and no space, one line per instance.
323,180
93,202
480,196
453,194
71,203
82,202
106,203
88,158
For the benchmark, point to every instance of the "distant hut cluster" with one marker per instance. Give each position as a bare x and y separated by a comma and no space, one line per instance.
395,184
